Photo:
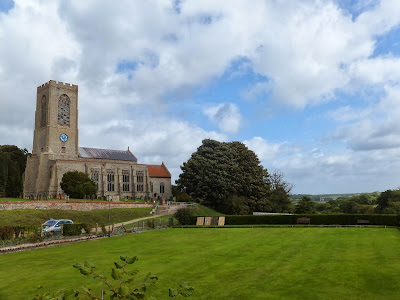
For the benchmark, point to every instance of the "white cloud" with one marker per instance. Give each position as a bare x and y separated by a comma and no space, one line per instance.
373,127
324,170
376,71
226,116
265,151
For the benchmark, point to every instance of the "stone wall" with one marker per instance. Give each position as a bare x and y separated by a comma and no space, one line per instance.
70,205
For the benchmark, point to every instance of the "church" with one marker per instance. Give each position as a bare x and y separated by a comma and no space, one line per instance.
117,173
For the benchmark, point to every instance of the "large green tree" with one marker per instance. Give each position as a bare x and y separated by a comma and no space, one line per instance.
17,155
77,185
225,176
12,166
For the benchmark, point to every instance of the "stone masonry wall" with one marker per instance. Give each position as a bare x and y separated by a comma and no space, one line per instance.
70,205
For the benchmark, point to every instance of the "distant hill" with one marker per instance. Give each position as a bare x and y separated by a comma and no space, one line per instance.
327,197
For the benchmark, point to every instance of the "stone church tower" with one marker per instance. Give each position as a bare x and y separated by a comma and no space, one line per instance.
55,136
56,151
56,120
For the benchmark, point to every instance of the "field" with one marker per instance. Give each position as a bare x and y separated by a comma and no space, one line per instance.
240,263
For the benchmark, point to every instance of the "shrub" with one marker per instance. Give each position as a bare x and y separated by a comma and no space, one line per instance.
151,223
72,229
184,215
87,227
183,197
104,229
6,232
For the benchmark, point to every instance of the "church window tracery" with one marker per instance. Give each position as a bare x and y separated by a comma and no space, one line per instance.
63,110
125,181
162,188
110,181
139,179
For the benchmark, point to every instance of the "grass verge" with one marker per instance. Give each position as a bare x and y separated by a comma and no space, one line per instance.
39,216
204,211
240,263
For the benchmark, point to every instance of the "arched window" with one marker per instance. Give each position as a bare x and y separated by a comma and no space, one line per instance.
162,188
43,118
63,110
151,187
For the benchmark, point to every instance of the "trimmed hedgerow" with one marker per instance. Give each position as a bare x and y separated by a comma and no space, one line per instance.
72,229
9,232
317,219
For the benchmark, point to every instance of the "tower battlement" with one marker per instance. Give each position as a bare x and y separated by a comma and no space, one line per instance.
57,83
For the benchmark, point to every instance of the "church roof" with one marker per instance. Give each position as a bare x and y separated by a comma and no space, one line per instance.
158,171
106,154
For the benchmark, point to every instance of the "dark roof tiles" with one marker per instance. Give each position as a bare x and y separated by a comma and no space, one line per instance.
106,154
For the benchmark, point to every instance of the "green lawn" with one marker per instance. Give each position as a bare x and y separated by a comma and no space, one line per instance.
12,199
239,263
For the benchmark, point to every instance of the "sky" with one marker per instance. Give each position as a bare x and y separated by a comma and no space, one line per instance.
311,86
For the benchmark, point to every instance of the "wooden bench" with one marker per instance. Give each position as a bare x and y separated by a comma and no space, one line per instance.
303,220
362,222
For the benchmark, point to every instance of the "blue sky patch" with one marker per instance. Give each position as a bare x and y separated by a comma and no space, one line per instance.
388,43
357,7
127,66
6,5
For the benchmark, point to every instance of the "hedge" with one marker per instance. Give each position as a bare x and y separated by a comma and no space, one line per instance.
317,219
72,229
9,232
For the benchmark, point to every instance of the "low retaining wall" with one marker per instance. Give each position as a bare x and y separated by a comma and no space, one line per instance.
70,205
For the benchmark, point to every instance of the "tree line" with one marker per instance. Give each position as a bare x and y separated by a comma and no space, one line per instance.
387,202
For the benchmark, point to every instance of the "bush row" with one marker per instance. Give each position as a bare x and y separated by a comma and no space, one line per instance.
317,219
8,232
76,229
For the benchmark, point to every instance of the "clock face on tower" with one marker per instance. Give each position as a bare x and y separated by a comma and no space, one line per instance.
63,137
